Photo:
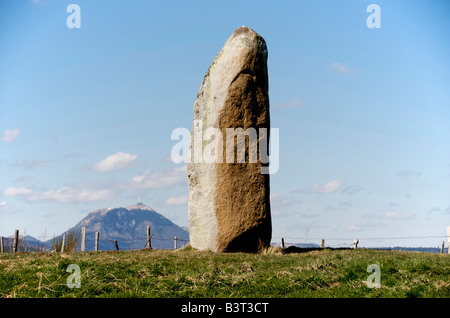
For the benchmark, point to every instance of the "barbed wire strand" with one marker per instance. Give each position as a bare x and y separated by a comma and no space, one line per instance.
274,239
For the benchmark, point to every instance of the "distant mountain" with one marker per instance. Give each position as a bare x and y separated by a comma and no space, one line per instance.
300,245
129,227
26,243
413,249
308,246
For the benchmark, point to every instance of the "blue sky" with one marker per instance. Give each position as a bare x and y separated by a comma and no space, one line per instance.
86,114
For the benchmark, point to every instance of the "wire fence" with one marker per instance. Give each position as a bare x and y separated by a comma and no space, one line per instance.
18,243
134,242
432,243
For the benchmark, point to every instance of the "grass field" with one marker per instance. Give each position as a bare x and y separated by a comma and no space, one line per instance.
190,273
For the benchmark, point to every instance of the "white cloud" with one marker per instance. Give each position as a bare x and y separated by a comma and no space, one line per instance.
38,2
24,179
5,208
13,191
395,215
158,179
10,135
352,189
30,164
391,215
280,200
275,212
352,228
181,200
64,194
342,68
408,173
363,226
434,209
295,103
329,187
69,194
308,215
118,161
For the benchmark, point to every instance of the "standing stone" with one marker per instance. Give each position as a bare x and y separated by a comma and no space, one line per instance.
229,205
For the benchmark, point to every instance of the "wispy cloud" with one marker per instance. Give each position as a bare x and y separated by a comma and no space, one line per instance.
391,215
353,228
38,2
293,104
30,164
342,68
345,204
13,191
447,210
363,226
280,203
408,173
433,210
117,161
158,179
395,215
10,135
174,201
64,194
309,215
327,188
280,199
24,179
68,194
5,208
352,189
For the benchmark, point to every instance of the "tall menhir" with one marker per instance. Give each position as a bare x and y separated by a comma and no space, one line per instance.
229,204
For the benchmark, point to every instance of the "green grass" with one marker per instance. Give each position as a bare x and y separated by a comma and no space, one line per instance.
191,273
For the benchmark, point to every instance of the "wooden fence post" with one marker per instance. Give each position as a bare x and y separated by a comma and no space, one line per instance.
97,235
16,241
448,238
442,247
1,245
63,243
355,243
322,243
175,243
83,239
115,244
282,242
149,238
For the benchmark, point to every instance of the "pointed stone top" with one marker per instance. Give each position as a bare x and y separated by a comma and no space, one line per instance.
244,29
244,42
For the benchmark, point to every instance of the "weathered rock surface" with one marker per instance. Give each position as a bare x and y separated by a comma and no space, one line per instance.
229,206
